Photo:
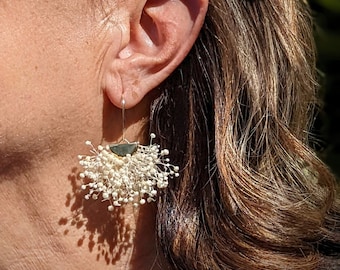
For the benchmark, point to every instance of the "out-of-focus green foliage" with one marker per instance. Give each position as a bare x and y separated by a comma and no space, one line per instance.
327,35
327,17
333,5
328,43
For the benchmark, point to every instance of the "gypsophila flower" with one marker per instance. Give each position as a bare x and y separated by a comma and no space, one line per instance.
126,173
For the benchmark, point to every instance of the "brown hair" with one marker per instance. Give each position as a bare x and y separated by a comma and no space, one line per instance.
236,115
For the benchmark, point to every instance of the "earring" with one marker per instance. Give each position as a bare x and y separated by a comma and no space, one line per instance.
127,172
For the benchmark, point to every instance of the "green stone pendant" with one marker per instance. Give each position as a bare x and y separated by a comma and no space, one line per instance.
124,149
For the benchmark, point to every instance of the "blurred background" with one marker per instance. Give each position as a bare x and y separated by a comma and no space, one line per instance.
327,34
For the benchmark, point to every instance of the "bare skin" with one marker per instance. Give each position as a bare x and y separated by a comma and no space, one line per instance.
65,66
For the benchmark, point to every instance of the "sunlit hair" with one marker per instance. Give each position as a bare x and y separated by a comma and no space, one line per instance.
236,113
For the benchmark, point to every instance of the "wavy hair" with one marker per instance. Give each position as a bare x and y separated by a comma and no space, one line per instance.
236,115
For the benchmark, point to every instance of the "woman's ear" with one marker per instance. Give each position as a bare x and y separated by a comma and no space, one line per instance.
155,38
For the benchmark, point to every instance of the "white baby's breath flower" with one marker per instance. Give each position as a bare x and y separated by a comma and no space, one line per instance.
126,173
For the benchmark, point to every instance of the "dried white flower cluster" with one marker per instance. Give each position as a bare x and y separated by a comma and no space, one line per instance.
127,172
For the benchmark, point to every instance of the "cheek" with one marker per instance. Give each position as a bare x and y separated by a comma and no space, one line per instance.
46,78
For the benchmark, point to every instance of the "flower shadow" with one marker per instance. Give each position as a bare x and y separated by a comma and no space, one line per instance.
105,233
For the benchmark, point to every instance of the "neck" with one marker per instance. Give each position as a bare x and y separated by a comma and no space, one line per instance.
46,224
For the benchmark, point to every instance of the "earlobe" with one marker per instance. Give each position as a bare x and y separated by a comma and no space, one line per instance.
156,39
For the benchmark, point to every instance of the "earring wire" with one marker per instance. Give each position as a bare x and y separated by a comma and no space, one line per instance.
123,119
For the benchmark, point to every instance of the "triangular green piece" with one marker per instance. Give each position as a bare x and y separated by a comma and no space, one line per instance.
123,149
